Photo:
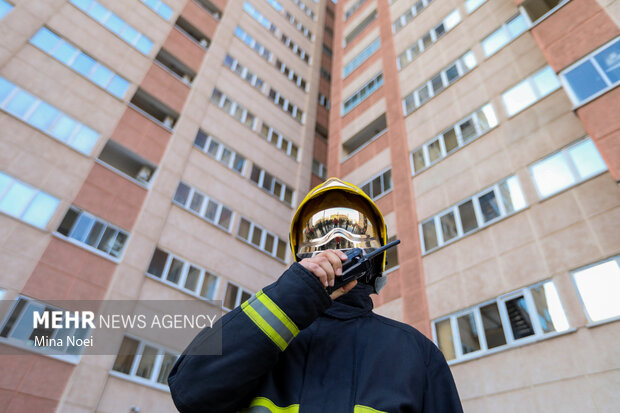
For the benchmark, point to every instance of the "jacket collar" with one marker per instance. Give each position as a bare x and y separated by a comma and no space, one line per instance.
355,303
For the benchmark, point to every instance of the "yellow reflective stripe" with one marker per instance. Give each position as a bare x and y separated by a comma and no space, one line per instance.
365,409
261,404
264,326
273,307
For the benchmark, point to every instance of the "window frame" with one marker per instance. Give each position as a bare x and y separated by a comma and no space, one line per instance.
240,291
220,152
511,342
533,87
263,239
203,207
367,90
383,190
261,179
480,219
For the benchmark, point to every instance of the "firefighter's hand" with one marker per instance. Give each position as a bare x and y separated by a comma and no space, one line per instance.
327,265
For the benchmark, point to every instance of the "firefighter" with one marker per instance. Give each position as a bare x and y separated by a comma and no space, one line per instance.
292,347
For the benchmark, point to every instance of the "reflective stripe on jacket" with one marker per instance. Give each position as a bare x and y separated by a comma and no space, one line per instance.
289,349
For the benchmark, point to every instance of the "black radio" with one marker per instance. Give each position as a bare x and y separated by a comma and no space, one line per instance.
358,265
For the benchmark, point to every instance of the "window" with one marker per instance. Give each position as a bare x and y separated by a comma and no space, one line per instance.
520,317
144,362
439,82
183,275
530,90
361,57
175,66
368,134
160,8
217,150
319,169
46,118
154,109
18,328
349,12
325,74
25,202
454,138
378,185
566,168
233,108
539,9
594,75
204,206
193,33
286,105
115,24
77,60
210,8
272,185
291,75
253,44
93,233
323,101
509,31
472,5
300,26
361,94
360,28
306,9
279,141
429,38
599,287
262,239
406,17
242,71
234,296
266,23
5,8
127,162
488,206
391,257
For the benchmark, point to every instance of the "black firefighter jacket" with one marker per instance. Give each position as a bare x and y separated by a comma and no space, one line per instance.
289,349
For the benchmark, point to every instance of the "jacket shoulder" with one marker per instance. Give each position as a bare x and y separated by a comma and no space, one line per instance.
408,333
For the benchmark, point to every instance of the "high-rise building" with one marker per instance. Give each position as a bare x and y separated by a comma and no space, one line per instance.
157,149
488,132
146,145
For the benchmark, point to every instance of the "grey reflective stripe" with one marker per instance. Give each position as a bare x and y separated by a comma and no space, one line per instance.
271,319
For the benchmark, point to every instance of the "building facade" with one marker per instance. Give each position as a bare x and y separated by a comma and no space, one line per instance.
487,131
147,144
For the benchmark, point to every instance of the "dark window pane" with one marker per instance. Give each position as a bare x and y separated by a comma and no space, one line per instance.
244,229
166,366
448,226
174,273
255,175
520,321
201,139
211,210
468,131
156,267
225,217
450,140
196,203
387,180
269,240
469,334
452,74
434,151
492,324
429,234
376,187
107,240
418,160
468,216
68,221
208,286
281,252
230,298
437,84
95,233
182,192
147,362
488,206
125,356
256,236
191,281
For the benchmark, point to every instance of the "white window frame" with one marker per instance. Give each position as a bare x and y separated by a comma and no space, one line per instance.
473,117
180,286
271,191
240,291
544,16
249,41
403,20
296,113
436,218
376,81
28,204
261,246
292,75
279,141
220,152
157,364
538,95
245,114
383,192
361,57
590,57
511,342
203,206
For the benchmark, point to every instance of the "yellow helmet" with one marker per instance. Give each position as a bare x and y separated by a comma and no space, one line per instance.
337,215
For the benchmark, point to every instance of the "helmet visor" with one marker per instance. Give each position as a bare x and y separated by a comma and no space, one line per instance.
337,228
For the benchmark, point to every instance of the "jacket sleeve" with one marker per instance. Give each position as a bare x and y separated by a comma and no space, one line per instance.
253,337
440,394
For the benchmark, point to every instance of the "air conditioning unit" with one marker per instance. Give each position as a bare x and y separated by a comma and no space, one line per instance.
144,175
204,43
168,122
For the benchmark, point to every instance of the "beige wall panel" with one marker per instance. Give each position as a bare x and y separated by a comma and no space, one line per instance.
380,162
361,121
120,395
393,309
361,79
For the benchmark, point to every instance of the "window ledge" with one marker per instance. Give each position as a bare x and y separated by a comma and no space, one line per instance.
524,342
90,249
66,358
191,39
281,261
143,185
184,81
228,231
151,118
141,381
603,322
371,140
176,287
548,14
391,270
